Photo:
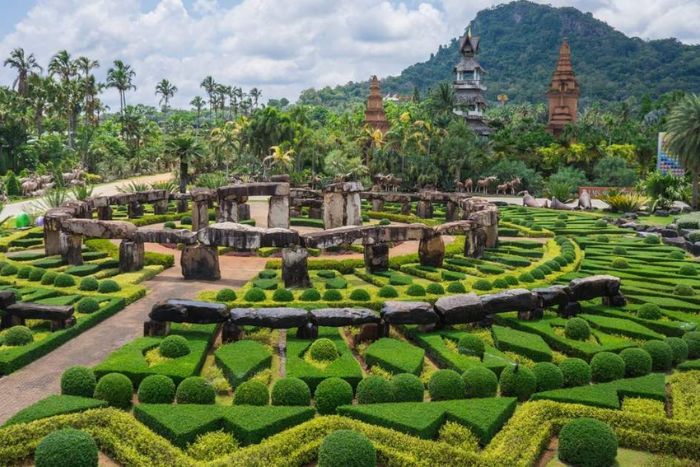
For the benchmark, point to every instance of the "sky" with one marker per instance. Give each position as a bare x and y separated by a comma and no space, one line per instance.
278,46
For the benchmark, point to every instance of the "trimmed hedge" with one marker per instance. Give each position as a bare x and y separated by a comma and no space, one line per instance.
241,360
446,385
331,393
66,447
290,391
54,405
373,390
195,390
78,381
156,389
587,442
346,448
116,389
395,356
524,343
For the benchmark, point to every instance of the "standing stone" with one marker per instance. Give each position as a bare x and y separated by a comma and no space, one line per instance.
131,256
451,211
200,262
228,210
406,208
377,257
160,207
278,214
294,267
431,251
181,205
315,212
73,253
333,209
52,233
424,209
134,209
243,211
377,204
353,209
200,215
104,213
475,243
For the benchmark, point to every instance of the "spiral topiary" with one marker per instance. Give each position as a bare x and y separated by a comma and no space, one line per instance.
174,346
156,389
456,287
388,291
469,344
435,289
116,389
359,295
480,382
679,348
661,355
332,295
64,280
517,381
345,448
251,392
291,391
323,350
415,290
373,390
576,372
607,366
78,381
331,393
66,447
577,329
586,442
692,338
548,375
108,286
87,305
446,385
283,295
196,390
225,295
637,362
406,387
18,335
310,295
649,311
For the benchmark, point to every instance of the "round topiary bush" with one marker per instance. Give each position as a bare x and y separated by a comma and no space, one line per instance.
331,393
601,223
619,263
174,346
415,290
48,278
332,295
78,381
469,344
446,385
8,270
559,224
326,273
500,283
685,270
435,289
225,295
24,271
586,442
87,305
346,448
511,280
156,389
482,284
169,225
310,295
197,390
607,366
692,338
291,391
649,311
387,291
526,277
676,254
517,381
66,447
88,284
661,355
456,287
637,362
108,286
18,335
116,389
323,350
480,382
36,274
602,239
652,239
576,372
619,250
548,375
186,220
406,387
251,392
679,348
683,290
64,280
283,295
374,389
537,274
577,329
359,295
254,294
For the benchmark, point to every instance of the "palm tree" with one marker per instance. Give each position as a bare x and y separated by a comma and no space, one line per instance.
279,158
255,93
683,137
24,66
183,147
121,77
62,65
209,85
167,91
198,103
91,88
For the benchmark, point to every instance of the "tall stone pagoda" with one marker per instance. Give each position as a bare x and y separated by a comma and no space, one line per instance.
374,114
563,92
468,87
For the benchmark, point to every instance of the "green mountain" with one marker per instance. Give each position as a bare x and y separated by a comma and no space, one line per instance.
519,48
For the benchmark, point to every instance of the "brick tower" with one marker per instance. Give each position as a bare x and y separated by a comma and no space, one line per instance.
563,92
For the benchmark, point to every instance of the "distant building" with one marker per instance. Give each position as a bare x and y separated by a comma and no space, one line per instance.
563,92
468,87
374,114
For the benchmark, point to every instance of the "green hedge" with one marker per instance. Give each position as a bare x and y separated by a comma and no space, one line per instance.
395,356
523,343
54,405
243,359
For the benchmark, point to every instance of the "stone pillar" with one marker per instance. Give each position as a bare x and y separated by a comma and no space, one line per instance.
52,232
104,213
333,209
431,251
200,262
294,267
243,212
475,243
278,214
424,209
131,256
73,253
315,212
451,211
153,328
228,210
377,257
406,208
181,205
134,209
353,209
160,207
377,204
200,214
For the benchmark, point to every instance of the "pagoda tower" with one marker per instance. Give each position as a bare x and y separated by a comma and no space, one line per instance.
563,92
468,87
374,114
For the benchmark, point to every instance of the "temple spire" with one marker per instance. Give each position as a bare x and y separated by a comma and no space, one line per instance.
563,92
374,114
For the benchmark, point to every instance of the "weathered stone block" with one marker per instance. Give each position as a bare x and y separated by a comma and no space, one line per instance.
200,215
294,267
73,252
275,318
160,207
333,210
510,300
189,311
134,210
424,209
339,317
431,251
353,209
104,213
278,214
200,262
460,309
377,257
99,229
131,256
395,312
588,288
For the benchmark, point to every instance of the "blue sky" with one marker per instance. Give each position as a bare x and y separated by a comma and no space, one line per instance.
280,46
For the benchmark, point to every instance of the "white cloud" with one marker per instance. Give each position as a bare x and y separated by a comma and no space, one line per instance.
284,46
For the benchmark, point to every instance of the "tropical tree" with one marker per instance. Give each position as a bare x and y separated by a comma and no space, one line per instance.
121,77
209,86
279,158
198,103
255,94
167,91
183,147
90,86
24,66
683,138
